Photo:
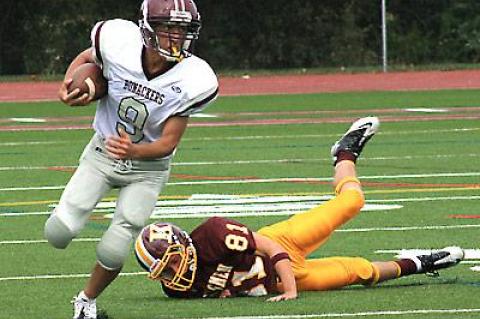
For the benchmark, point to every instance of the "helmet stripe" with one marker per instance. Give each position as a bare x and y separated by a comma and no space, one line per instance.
142,253
145,15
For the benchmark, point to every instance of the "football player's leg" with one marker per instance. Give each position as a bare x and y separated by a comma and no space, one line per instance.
309,230
135,204
305,232
429,262
82,193
336,272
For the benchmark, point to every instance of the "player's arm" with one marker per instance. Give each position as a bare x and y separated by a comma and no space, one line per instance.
121,147
73,98
282,266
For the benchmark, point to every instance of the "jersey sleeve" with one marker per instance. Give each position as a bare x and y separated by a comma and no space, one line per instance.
109,40
222,240
202,88
95,40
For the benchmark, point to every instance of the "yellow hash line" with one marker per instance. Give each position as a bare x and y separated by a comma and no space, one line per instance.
380,191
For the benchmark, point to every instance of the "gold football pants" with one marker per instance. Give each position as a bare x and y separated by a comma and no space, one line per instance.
303,233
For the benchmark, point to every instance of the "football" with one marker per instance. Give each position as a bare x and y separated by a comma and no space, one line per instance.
89,79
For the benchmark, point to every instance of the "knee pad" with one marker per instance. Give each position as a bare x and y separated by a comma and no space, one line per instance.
114,247
58,234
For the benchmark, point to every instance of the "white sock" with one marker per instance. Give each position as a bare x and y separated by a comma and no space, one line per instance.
82,295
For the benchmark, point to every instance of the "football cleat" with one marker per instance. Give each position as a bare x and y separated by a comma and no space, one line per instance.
437,259
356,137
83,307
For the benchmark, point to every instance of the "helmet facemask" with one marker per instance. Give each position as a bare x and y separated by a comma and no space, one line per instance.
178,30
185,260
168,254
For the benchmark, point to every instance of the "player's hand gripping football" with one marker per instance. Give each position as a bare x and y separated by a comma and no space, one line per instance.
120,147
74,98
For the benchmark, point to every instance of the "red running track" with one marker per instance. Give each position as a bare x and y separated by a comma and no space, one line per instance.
290,84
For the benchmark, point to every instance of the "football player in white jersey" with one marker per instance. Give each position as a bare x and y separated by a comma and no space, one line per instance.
154,84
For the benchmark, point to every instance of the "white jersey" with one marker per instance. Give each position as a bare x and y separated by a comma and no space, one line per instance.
135,103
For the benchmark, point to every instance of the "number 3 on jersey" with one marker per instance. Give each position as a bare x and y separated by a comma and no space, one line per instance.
134,114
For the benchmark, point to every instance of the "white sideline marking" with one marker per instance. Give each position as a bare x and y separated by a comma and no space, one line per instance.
348,230
272,180
27,120
476,268
24,214
426,110
204,115
44,241
271,161
424,199
31,168
283,137
123,274
356,314
245,211
30,143
407,228
261,137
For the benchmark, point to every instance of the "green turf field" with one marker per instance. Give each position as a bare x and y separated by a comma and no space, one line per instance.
260,147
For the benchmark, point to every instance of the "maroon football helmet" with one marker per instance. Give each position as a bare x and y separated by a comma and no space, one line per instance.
161,244
178,21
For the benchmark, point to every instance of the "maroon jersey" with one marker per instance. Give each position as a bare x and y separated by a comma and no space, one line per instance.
227,260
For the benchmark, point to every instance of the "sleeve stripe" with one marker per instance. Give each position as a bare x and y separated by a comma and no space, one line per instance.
97,42
202,102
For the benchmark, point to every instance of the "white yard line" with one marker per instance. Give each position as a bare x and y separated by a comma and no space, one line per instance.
283,137
263,137
270,180
37,277
355,314
44,241
407,228
31,143
348,230
268,161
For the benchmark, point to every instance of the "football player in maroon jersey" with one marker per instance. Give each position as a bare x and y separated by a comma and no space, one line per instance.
223,258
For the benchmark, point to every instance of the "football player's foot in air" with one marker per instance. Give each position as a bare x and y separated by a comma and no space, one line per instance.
351,144
435,260
84,307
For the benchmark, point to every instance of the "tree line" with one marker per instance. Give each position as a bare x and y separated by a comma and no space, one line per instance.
43,36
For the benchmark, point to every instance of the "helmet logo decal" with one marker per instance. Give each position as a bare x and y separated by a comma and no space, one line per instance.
180,16
161,233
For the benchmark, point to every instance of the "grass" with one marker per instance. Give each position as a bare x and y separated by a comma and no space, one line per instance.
427,148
